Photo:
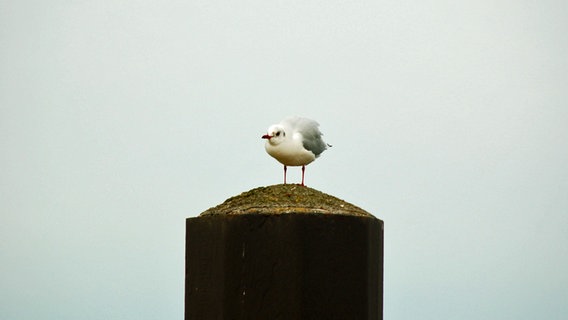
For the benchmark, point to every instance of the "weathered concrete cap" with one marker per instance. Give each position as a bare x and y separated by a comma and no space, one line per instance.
285,199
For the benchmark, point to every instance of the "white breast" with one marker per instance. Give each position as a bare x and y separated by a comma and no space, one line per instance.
290,152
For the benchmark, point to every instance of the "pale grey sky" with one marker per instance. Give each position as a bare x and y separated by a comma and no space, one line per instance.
119,119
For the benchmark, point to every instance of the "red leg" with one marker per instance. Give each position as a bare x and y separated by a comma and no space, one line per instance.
303,171
285,168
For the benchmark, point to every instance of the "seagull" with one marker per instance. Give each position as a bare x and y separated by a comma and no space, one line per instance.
295,142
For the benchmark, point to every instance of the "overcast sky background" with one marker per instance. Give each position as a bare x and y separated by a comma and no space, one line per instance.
119,119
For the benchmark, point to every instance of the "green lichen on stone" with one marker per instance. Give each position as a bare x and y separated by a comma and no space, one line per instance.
285,199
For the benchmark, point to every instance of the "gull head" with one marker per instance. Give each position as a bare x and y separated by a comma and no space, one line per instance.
275,135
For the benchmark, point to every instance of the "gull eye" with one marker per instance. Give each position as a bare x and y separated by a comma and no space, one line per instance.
278,134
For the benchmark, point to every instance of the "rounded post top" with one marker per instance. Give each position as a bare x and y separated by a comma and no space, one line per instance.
285,199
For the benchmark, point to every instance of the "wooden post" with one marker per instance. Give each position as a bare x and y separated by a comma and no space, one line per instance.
284,252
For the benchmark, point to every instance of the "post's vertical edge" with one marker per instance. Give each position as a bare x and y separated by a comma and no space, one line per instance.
374,269
380,257
186,275
187,285
204,267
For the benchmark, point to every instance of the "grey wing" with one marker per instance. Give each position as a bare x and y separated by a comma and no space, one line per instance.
317,146
310,132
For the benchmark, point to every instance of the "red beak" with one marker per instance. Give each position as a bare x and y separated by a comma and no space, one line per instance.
266,137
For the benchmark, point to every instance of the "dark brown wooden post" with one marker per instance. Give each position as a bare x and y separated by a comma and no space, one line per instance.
284,252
